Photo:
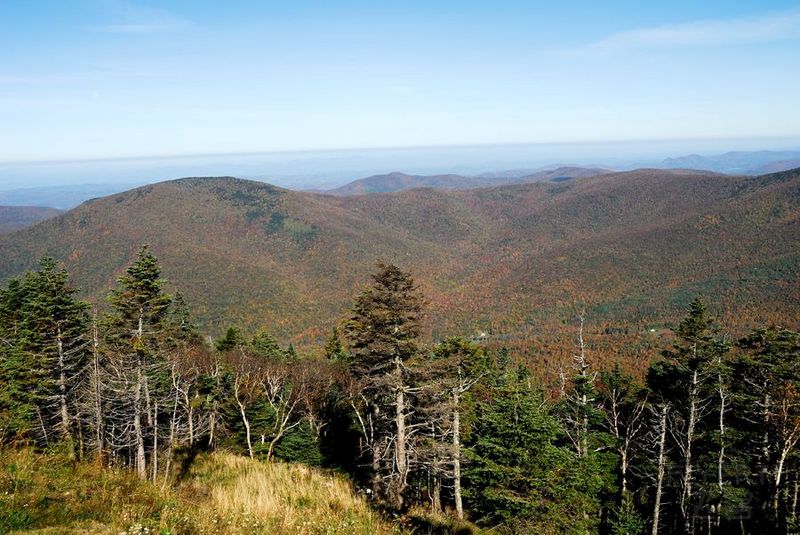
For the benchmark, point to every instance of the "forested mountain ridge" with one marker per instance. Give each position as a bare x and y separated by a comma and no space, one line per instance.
633,246
394,182
14,218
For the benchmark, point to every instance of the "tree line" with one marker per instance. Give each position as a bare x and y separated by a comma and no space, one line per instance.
705,443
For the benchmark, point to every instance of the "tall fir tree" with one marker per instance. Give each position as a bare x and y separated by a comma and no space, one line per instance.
383,331
136,332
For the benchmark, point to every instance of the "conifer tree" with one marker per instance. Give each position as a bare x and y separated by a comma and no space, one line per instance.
382,332
455,366
334,349
693,356
518,474
46,352
58,324
136,335
231,340
768,410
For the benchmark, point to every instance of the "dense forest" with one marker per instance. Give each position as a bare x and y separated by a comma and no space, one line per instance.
705,442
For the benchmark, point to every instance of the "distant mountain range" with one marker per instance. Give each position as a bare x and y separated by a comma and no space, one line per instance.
14,218
396,181
61,197
748,163
740,162
631,248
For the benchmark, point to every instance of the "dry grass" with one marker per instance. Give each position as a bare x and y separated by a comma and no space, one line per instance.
282,498
222,494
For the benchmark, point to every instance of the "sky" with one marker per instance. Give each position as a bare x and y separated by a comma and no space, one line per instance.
98,79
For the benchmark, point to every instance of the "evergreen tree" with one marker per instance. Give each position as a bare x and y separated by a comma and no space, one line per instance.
624,406
768,416
46,353
58,324
233,339
137,336
334,349
518,474
452,370
265,345
21,371
382,331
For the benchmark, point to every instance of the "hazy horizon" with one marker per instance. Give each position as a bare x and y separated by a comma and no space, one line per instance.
322,169
99,79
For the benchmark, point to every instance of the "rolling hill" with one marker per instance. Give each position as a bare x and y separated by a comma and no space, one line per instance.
513,261
14,218
394,182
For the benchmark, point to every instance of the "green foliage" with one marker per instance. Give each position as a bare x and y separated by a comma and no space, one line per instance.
140,291
625,519
232,339
265,345
334,348
384,323
518,475
301,445
42,327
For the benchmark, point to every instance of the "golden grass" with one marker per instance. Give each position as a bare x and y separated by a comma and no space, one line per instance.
283,498
222,494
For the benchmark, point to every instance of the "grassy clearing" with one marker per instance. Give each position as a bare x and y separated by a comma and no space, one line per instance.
280,498
222,493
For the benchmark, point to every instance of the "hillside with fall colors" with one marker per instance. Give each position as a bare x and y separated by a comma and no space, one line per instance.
510,263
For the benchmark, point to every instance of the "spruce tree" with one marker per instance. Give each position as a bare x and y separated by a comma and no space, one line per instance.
334,349
518,473
45,353
136,332
383,331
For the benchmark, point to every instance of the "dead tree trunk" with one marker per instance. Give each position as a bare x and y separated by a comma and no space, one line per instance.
154,455
66,427
400,453
457,454
96,388
141,462
721,457
688,467
237,396
662,441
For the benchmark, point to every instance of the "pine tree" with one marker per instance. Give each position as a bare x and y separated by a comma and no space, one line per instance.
684,390
136,333
694,356
334,349
232,339
518,475
768,416
59,325
624,406
453,369
46,353
21,372
382,332
265,345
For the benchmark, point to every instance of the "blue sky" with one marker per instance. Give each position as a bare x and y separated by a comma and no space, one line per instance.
86,79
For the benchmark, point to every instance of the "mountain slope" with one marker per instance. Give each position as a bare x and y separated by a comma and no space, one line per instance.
14,218
394,182
515,260
400,181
